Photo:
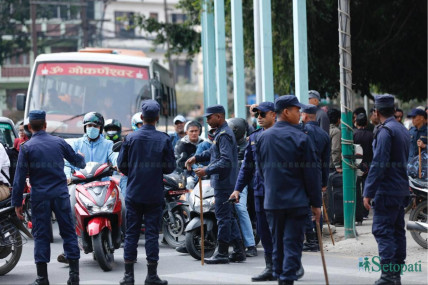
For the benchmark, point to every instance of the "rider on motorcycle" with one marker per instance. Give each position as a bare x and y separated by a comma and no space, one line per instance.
186,146
113,130
94,148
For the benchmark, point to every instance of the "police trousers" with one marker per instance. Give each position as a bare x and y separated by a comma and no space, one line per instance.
134,217
41,218
388,228
262,225
287,227
228,229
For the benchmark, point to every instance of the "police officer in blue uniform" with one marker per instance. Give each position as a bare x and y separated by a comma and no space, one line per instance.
418,133
265,114
223,170
321,140
145,156
42,158
287,162
387,187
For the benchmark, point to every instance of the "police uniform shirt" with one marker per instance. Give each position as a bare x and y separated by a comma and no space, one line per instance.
388,171
287,162
144,157
43,158
223,157
247,171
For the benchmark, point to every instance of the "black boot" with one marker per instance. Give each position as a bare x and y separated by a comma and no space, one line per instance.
128,278
251,251
311,243
300,272
181,249
238,254
220,256
387,278
62,259
152,275
74,272
267,273
42,274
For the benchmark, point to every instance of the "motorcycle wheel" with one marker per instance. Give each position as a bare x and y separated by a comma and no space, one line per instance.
10,254
419,214
102,253
174,234
193,243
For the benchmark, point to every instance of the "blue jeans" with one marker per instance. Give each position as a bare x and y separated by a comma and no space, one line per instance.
228,230
244,219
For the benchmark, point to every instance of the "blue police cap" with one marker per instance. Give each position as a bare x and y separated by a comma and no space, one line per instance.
309,109
150,108
417,112
384,101
286,101
314,94
37,115
265,107
214,109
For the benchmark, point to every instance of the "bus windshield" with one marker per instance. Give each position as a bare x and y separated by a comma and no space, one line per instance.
68,90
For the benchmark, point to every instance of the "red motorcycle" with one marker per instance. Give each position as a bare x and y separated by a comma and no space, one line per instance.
98,212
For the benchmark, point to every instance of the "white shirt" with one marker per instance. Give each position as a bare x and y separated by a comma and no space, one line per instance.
4,164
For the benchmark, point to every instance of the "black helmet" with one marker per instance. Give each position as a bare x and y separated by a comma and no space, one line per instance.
238,126
93,118
113,130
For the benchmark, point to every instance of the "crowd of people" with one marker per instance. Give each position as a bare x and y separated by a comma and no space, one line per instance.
283,167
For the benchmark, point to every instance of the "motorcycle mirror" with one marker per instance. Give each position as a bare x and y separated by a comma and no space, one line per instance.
117,146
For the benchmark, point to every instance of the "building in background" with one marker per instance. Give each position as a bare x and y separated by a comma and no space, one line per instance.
60,29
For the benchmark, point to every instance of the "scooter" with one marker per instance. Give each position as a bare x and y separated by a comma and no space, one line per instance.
176,213
98,212
11,240
193,229
418,215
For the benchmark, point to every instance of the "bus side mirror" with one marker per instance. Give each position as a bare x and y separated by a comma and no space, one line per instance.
20,101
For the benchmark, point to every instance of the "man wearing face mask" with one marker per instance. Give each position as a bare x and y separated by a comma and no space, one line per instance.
93,147
113,130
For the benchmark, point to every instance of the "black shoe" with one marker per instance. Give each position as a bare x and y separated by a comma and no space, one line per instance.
388,278
42,274
300,272
74,272
181,249
267,274
220,256
251,251
152,275
62,259
285,282
311,243
128,278
238,254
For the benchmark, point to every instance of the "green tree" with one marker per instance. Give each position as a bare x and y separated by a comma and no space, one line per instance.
13,40
389,47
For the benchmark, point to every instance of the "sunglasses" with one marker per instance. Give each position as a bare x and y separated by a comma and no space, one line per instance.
261,114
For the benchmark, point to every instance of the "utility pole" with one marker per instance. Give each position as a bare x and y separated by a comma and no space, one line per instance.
33,29
84,23
346,100
170,65
257,53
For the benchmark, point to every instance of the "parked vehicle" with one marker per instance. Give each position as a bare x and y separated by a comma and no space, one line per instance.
11,240
176,213
418,215
98,212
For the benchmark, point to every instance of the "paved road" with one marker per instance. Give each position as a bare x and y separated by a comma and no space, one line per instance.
183,269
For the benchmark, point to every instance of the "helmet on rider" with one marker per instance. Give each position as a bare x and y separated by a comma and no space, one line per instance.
113,130
136,121
93,118
238,126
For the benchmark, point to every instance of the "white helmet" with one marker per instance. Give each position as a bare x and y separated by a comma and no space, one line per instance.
136,119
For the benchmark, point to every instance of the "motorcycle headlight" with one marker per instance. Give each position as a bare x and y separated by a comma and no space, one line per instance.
111,201
89,205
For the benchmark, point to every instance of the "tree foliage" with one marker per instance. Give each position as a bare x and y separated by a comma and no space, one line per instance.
13,39
389,47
